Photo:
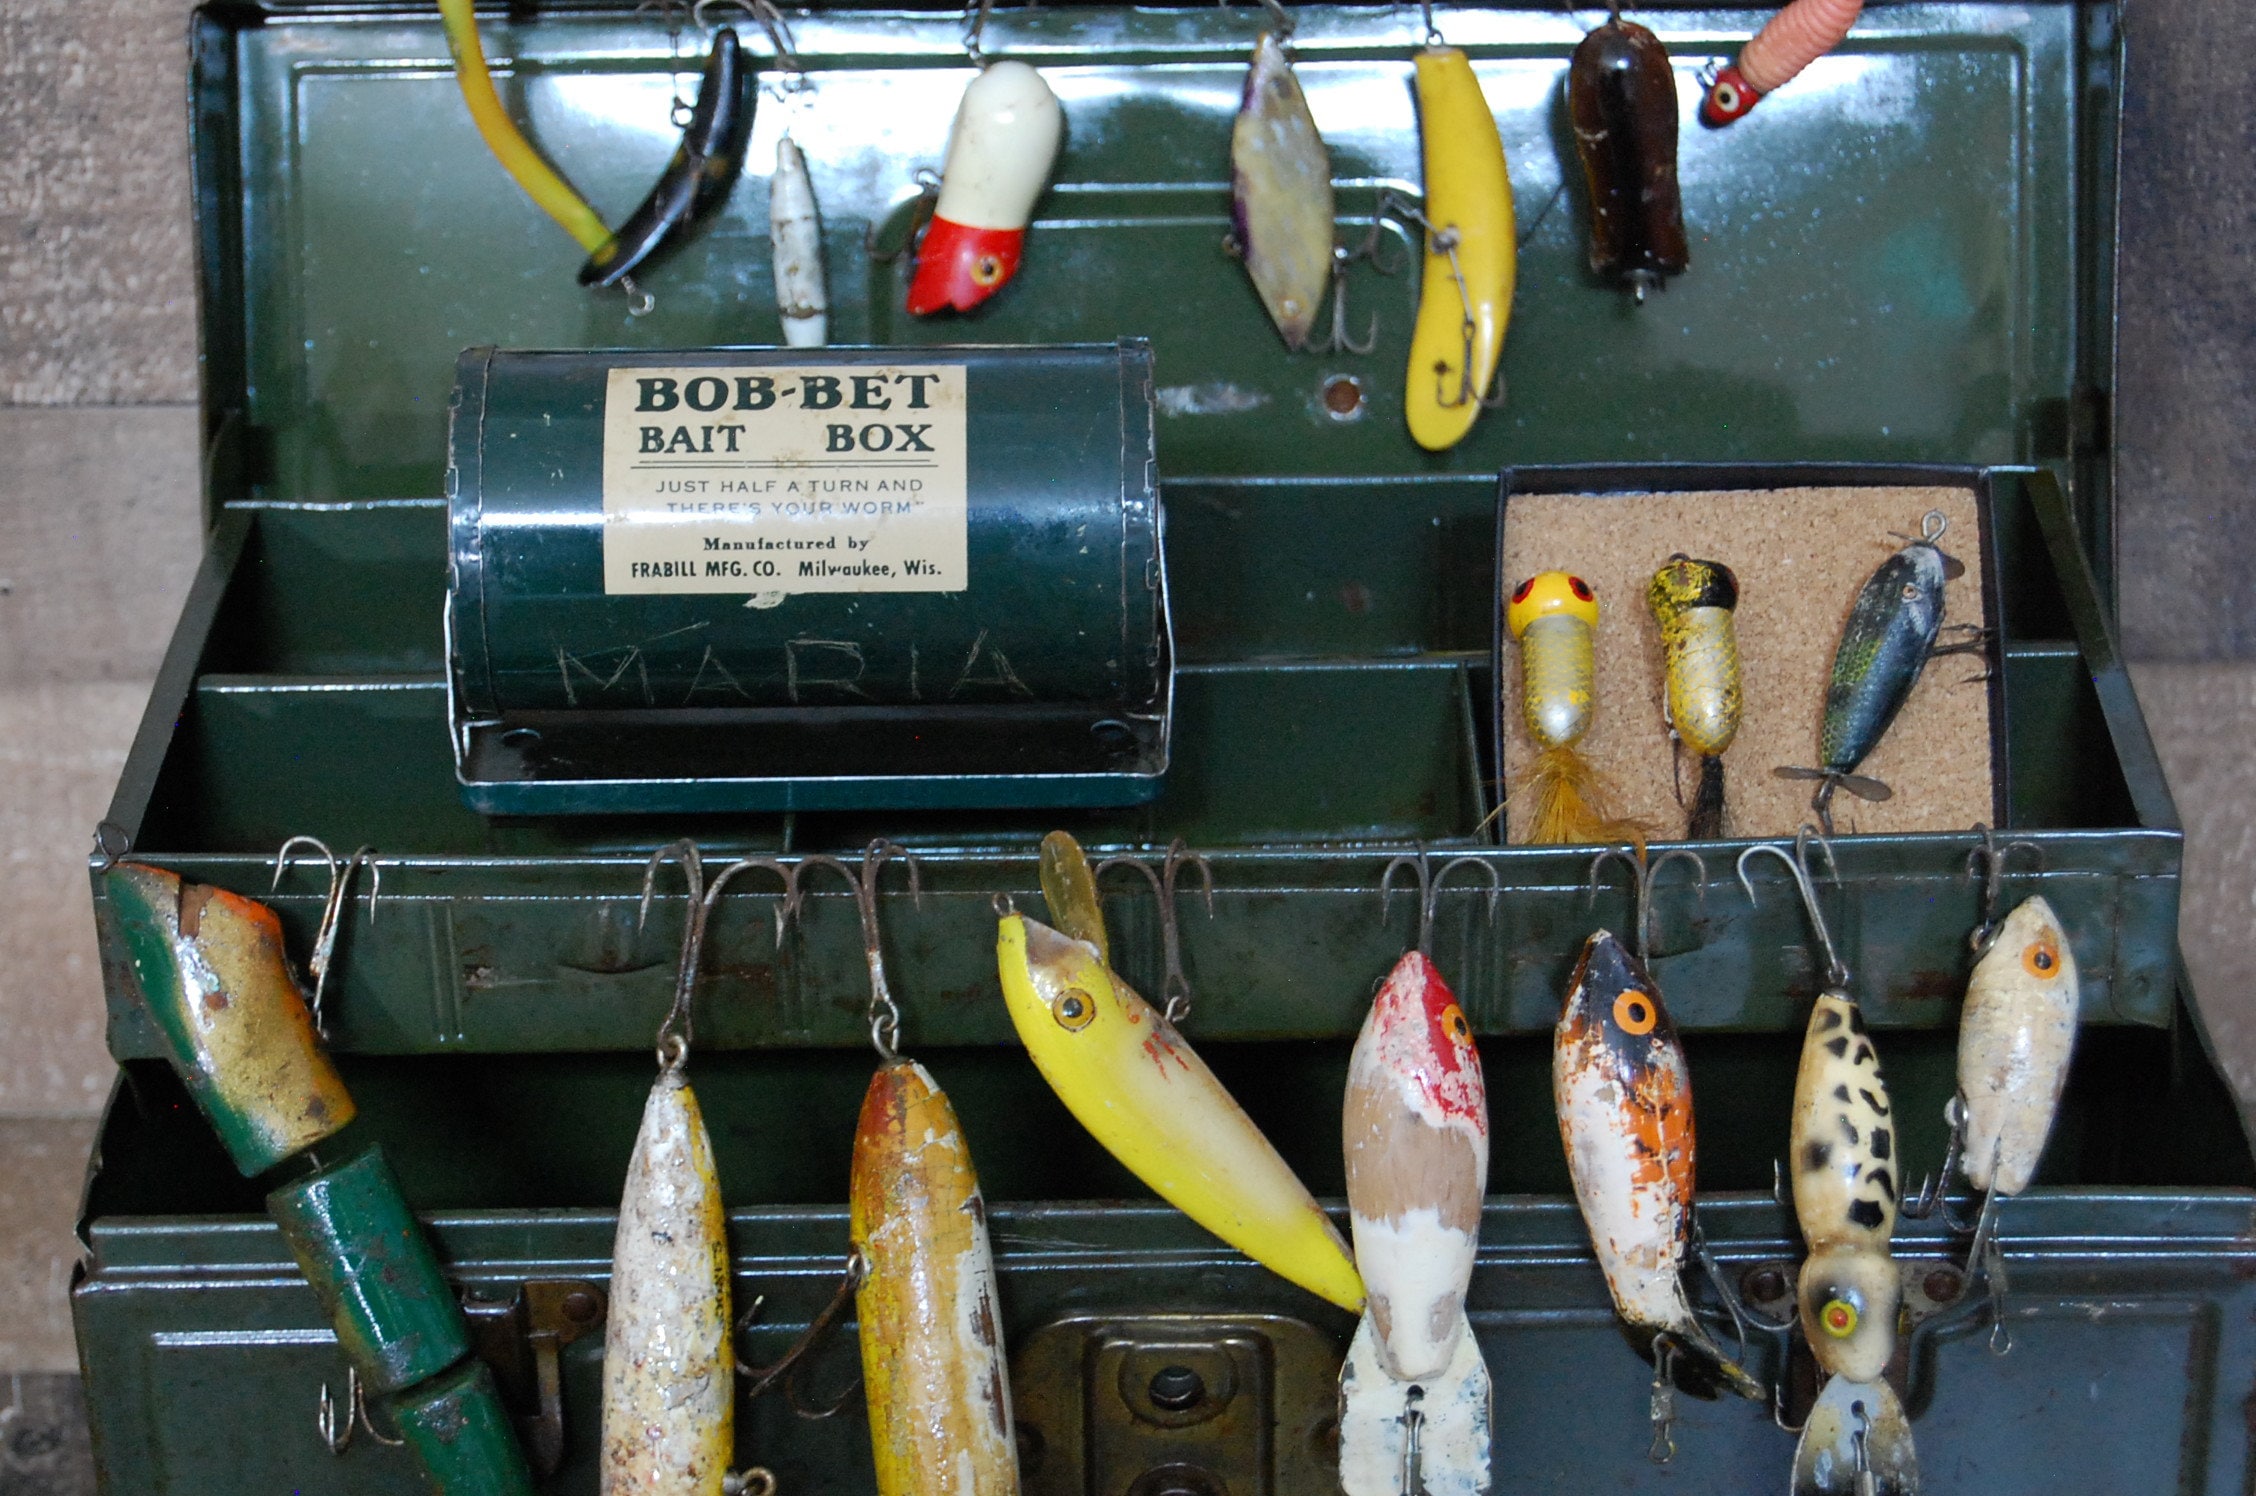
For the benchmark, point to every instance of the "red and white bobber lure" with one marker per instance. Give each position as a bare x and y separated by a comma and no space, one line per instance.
1794,38
1000,152
1414,1394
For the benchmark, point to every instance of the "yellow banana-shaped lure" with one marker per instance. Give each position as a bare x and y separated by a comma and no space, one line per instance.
1141,1091
1472,253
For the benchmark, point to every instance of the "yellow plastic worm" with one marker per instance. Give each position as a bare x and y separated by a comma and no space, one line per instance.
1472,253
1124,1072
932,1349
551,192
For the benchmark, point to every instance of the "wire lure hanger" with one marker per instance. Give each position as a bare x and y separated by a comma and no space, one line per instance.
884,1012
333,906
1797,863
1990,857
1175,988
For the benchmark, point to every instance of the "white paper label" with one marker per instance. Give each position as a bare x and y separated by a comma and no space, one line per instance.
784,478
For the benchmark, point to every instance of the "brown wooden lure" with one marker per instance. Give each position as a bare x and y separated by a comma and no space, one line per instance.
1621,95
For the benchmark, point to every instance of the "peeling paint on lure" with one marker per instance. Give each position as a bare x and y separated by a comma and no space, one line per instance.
932,1352
2014,1041
1693,602
1281,194
1856,1441
795,231
1886,643
1416,1134
1789,42
1621,96
1624,1095
1142,1092
1000,151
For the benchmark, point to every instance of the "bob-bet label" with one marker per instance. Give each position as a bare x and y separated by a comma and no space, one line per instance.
784,478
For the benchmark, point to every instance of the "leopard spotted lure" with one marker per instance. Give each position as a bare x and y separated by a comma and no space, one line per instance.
1415,1392
1843,1162
1623,1090
1128,1077
1886,643
1000,151
1281,194
1789,42
1554,616
1621,97
1694,602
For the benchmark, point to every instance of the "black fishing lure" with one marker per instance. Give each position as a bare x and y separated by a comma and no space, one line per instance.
1621,95
703,167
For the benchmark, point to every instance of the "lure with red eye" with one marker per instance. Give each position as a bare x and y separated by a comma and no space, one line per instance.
1794,38
1624,1096
1000,153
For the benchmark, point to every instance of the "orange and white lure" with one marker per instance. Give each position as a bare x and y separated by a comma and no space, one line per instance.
1000,153
1794,38
1416,1133
1624,1096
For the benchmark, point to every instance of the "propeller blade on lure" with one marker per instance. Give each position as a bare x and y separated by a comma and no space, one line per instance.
1693,602
1142,1092
1416,1134
1624,1095
1554,616
1472,253
1789,42
1000,151
1281,194
1886,643
1621,96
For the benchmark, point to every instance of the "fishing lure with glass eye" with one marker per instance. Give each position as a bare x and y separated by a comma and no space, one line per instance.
795,230
1693,602
1472,252
1621,96
1281,194
1131,1080
1416,1133
1000,151
1623,1090
1789,42
1886,643
1554,616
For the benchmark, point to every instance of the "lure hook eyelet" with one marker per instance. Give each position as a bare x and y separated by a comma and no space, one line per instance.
884,1012
1430,881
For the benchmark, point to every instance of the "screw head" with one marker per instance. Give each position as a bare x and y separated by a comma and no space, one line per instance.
1176,1389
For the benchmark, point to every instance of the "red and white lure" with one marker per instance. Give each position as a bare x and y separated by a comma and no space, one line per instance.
1796,37
1000,152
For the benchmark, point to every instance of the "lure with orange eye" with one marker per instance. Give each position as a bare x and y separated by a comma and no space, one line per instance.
2014,1042
1624,1096
1000,153
1554,616
1793,39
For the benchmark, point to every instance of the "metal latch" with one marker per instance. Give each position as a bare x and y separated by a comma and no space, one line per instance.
521,1331
1177,1405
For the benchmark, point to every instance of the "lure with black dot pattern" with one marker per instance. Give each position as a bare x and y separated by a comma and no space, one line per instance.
1844,1165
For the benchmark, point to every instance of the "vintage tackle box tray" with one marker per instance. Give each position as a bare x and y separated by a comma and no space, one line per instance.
1904,260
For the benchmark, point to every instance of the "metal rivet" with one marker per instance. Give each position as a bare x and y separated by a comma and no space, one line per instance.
1342,397
1177,1388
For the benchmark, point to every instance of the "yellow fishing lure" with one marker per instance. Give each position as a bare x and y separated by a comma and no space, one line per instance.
1472,253
1554,616
1693,602
1127,1075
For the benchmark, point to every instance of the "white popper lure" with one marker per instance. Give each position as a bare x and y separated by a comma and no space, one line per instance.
2014,1041
1414,1394
795,231
1000,153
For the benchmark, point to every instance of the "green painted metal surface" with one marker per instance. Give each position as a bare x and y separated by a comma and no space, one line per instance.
359,1246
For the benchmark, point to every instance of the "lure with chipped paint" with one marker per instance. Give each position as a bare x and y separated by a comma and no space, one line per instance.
1793,39
1621,96
1472,253
1624,1097
1693,602
669,1371
795,231
932,1353
1000,153
1844,1165
2014,1040
1416,1134
1142,1092
1856,1442
1281,194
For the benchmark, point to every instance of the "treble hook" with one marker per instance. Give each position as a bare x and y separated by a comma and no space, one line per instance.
674,1031
1642,875
1444,241
787,1367
1662,1409
927,202
338,1435
1797,862
884,1012
1175,987
1934,1191
1282,19
1338,339
1991,857
1429,889
1989,1252
333,905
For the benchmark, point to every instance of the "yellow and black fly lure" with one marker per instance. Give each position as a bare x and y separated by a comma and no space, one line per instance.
1693,602
1554,616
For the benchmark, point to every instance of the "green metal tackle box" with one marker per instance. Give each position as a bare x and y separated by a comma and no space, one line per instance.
1904,259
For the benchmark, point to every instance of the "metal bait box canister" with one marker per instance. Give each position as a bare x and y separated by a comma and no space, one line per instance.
795,579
